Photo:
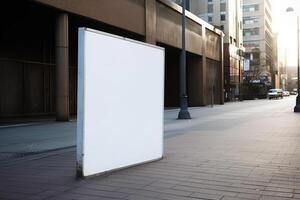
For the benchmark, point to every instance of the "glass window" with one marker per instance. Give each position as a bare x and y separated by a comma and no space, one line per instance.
223,17
210,8
252,44
210,18
251,8
223,7
178,2
250,20
251,31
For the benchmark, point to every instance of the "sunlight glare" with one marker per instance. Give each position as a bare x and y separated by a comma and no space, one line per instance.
285,24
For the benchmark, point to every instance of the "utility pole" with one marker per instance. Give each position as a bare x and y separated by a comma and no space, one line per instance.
297,107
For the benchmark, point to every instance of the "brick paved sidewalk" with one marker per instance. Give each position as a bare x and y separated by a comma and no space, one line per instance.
241,154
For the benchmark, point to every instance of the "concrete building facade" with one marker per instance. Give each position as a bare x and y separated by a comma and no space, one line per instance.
258,40
227,16
276,63
38,51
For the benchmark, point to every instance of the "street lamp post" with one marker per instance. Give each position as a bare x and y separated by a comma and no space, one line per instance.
183,113
297,107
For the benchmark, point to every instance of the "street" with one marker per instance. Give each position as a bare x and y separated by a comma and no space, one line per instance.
146,100
27,139
241,150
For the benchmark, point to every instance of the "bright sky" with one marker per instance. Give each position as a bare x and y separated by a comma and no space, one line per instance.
279,10
285,24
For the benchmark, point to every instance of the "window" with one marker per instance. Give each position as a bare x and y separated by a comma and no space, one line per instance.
268,26
178,2
210,18
210,8
222,27
223,7
252,44
251,8
254,57
223,17
251,31
268,38
209,1
250,20
269,51
269,15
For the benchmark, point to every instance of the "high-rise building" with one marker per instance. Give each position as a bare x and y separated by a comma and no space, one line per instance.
227,16
258,40
276,61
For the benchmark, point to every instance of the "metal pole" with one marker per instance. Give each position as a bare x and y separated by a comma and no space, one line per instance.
297,107
183,113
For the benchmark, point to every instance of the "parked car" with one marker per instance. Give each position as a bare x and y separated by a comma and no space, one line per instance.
294,92
275,93
286,93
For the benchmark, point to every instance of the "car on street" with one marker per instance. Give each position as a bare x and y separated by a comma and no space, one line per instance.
275,93
286,93
294,92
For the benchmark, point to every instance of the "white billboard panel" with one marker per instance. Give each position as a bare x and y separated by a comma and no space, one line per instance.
120,102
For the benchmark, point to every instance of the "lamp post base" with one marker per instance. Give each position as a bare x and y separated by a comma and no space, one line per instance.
297,107
184,113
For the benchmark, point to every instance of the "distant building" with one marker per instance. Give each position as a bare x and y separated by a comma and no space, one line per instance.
292,79
258,40
227,16
276,63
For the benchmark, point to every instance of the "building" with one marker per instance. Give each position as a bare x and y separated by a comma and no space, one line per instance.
38,51
258,40
227,16
276,62
292,78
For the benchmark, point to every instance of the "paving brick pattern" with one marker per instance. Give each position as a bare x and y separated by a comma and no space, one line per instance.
252,152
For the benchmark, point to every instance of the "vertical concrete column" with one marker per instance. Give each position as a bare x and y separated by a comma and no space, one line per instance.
194,80
150,21
221,74
204,83
62,67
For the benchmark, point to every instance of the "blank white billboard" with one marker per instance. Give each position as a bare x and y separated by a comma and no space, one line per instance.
120,102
